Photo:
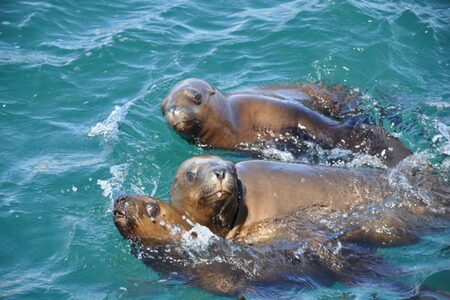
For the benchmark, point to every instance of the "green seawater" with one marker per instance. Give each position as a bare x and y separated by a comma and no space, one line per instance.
80,87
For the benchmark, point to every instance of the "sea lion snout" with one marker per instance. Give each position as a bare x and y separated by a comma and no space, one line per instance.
219,178
119,201
123,208
129,207
220,173
183,119
124,214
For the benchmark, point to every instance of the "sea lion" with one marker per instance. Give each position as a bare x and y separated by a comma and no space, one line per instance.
230,197
204,115
173,246
227,197
166,241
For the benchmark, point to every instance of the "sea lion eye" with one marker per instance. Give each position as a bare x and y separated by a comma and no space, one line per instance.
152,210
196,97
190,176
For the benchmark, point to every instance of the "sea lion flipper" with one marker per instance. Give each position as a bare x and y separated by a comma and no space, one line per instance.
369,234
372,140
338,100
220,280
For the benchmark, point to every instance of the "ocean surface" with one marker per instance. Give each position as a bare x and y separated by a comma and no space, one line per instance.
80,89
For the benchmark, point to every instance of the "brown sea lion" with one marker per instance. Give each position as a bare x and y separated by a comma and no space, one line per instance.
202,114
230,197
167,241
161,238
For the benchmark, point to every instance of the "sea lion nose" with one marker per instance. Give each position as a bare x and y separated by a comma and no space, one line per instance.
220,173
119,205
126,205
120,200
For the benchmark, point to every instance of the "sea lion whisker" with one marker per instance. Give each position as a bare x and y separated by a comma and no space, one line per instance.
160,196
144,229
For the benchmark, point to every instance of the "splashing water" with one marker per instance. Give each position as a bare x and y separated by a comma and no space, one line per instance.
113,187
109,127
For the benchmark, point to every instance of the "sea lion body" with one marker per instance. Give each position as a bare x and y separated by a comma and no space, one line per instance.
204,115
278,188
264,116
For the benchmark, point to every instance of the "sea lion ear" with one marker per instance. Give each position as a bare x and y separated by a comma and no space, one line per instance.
212,91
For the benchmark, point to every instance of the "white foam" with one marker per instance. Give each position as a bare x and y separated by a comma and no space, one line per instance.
299,253
400,181
111,187
109,127
198,238
438,104
280,155
443,129
444,134
58,163
366,160
445,148
446,164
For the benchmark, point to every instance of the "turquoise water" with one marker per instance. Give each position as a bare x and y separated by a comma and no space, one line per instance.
80,123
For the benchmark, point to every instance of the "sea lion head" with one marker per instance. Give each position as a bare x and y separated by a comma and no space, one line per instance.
148,220
208,190
185,107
